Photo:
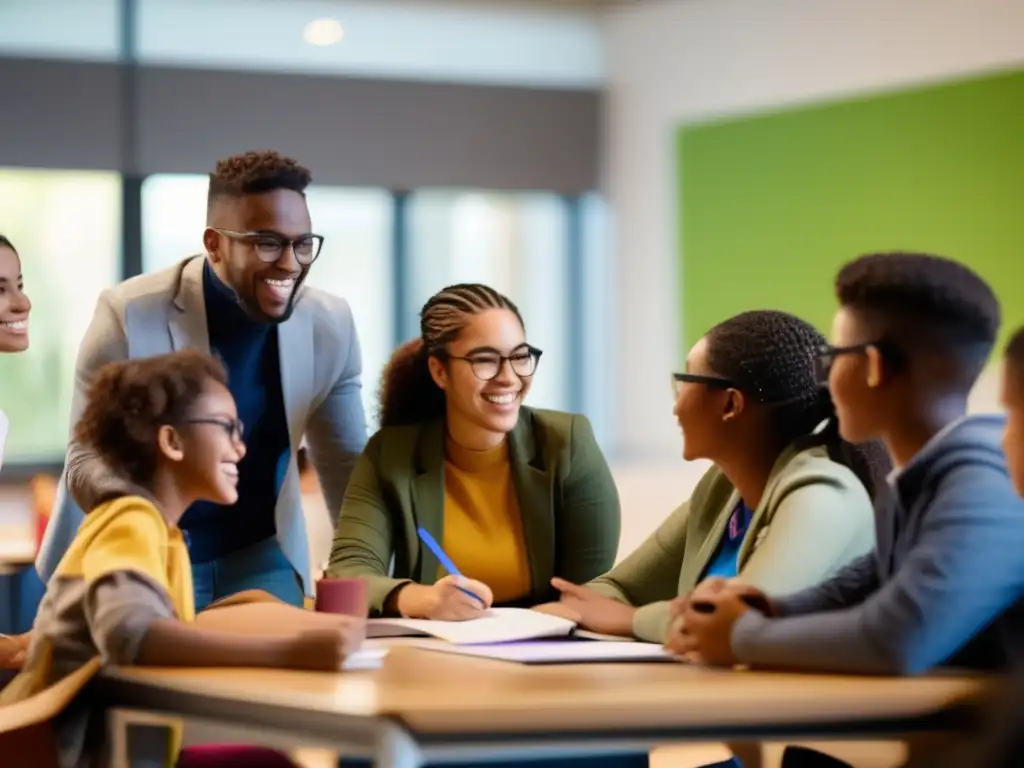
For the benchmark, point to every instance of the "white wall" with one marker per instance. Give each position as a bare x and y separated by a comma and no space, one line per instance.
680,60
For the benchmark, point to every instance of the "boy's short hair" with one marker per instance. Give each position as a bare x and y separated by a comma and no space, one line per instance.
924,302
128,401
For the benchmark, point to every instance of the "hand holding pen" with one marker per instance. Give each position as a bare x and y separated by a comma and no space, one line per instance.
452,598
456,598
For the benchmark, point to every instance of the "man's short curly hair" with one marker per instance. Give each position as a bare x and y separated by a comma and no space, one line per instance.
128,401
922,301
254,173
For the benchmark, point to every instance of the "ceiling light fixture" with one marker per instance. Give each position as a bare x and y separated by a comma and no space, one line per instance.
323,32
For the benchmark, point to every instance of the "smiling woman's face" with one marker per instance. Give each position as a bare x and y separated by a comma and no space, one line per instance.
491,406
14,304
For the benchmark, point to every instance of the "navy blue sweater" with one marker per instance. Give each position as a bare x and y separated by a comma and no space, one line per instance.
944,585
249,350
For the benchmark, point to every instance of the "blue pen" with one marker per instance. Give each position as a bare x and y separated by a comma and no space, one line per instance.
446,562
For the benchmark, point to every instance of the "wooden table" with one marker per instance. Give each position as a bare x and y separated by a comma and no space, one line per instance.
424,705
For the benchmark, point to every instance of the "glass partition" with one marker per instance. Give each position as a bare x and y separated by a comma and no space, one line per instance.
66,226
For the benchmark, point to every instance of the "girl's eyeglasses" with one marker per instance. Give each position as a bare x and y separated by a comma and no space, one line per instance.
234,427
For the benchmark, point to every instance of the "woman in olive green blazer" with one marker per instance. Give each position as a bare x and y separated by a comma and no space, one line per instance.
787,503
516,496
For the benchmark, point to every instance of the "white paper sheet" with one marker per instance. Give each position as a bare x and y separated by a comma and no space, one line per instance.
365,658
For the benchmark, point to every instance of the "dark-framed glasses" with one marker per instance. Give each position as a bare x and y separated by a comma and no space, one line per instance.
487,365
715,382
269,246
234,427
828,354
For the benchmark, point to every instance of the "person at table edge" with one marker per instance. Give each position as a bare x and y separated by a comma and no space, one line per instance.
786,503
514,495
945,583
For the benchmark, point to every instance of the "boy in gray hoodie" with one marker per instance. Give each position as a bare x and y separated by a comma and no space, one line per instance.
999,742
944,583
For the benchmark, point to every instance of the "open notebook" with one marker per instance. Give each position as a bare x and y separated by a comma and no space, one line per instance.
498,625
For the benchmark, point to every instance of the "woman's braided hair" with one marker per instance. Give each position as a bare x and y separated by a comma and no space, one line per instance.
408,394
771,357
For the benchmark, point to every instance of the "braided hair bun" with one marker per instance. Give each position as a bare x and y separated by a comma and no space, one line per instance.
772,358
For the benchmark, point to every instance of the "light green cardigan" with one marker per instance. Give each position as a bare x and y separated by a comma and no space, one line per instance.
814,517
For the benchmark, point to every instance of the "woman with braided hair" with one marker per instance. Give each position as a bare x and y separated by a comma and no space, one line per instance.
786,503
515,496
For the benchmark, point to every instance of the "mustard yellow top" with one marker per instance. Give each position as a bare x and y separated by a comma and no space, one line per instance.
483,531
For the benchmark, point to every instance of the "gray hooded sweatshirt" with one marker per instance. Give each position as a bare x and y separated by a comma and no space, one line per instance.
944,585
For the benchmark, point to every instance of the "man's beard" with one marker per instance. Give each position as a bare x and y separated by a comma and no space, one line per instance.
251,305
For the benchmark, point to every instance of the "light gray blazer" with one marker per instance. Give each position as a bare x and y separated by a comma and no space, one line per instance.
321,365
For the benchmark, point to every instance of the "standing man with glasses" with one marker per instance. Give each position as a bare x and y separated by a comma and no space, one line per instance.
294,369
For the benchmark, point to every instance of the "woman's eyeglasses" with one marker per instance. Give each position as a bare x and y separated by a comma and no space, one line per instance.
715,382
487,366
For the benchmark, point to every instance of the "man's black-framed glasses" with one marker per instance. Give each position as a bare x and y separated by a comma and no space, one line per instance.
234,427
487,365
268,246
715,382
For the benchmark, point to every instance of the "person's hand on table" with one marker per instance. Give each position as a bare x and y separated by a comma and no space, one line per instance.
677,609
14,650
702,621
709,589
453,598
326,649
559,609
593,611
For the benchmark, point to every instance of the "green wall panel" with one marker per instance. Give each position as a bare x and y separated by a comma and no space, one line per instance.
772,205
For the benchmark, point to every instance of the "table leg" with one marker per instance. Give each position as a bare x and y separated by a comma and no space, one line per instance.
396,748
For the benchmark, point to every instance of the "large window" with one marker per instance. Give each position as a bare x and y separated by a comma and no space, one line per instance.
594,331
355,261
516,243
357,225
66,226
66,29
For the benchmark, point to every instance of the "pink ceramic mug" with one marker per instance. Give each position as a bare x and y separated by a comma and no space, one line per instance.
343,596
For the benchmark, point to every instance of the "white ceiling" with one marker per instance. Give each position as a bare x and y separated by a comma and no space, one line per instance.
542,43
